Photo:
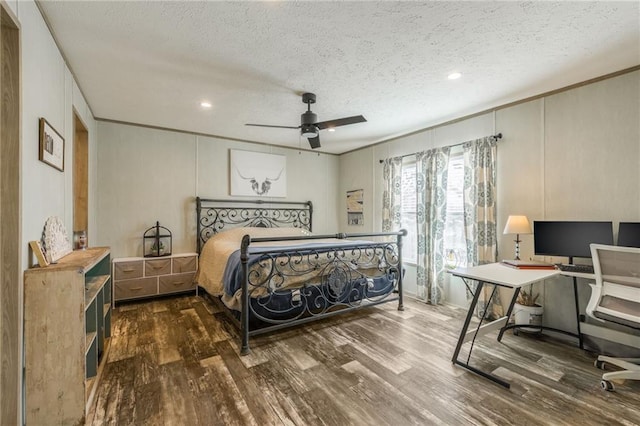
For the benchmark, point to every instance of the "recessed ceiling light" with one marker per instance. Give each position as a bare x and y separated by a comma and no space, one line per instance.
205,104
454,76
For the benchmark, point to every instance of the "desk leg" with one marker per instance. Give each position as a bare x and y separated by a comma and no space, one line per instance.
463,333
516,292
575,298
467,321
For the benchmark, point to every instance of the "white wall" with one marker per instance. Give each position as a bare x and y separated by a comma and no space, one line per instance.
591,167
49,91
148,174
573,155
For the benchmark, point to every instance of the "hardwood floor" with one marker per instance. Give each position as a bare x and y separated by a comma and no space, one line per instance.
176,361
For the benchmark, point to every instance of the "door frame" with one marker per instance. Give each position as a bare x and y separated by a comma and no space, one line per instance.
11,283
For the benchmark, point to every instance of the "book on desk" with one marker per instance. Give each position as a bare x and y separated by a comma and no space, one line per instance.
527,264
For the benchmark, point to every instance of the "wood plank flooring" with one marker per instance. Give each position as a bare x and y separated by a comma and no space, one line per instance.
176,361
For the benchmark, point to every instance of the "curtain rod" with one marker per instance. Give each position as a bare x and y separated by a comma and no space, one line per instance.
496,136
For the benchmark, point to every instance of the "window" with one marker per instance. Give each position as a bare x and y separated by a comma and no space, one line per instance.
408,210
455,245
454,239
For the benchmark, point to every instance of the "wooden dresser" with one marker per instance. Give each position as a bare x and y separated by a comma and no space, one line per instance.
67,325
138,277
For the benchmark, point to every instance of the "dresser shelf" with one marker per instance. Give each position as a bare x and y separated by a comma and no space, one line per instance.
67,316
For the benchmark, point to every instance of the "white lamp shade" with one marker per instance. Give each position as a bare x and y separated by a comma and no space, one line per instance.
517,225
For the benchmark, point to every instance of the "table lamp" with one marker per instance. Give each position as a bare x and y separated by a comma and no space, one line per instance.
517,225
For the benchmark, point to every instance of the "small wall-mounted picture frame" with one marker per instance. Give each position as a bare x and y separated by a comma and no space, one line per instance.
355,202
51,146
36,248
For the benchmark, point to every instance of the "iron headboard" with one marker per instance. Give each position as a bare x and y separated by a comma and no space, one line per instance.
215,215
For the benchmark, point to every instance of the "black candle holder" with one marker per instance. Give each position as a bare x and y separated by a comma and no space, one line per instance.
157,241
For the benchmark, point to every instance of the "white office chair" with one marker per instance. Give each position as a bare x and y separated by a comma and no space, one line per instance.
615,297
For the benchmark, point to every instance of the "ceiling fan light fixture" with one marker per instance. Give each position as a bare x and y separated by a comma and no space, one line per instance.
309,131
310,126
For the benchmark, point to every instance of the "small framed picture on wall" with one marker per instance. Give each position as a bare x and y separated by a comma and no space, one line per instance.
355,212
51,146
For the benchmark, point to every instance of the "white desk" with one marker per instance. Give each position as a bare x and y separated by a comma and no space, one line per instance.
503,276
496,273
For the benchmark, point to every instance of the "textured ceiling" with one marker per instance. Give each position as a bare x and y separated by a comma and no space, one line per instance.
152,63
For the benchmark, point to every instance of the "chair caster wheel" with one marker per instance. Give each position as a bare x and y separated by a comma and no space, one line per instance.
606,385
515,332
599,364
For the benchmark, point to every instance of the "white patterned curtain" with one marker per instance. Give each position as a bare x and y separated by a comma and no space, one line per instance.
392,194
431,211
480,205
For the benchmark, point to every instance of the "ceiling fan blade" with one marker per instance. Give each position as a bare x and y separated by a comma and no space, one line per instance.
269,125
314,142
340,122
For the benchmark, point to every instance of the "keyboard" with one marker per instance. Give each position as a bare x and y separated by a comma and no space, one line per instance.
583,269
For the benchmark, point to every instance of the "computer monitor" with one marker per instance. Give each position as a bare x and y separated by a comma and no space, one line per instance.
629,234
569,238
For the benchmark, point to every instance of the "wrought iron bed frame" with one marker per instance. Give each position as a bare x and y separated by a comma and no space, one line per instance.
342,289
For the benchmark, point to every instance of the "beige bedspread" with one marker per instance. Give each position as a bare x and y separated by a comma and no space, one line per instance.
216,252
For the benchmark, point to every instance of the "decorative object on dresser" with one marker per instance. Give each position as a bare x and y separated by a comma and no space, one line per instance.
137,277
268,271
51,146
80,239
38,251
67,326
55,238
157,241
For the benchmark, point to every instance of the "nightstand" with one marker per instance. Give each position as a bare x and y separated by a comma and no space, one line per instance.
139,277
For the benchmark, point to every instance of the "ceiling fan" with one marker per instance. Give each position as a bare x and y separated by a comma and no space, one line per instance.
309,127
